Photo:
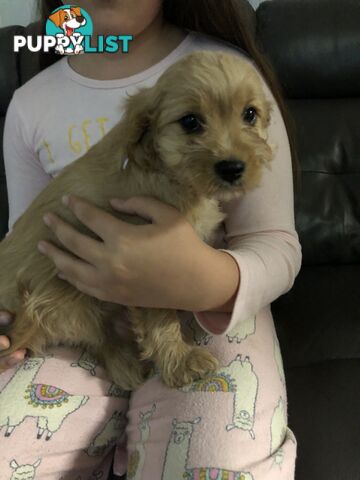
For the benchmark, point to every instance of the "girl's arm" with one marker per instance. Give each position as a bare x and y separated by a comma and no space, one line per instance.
261,238
25,178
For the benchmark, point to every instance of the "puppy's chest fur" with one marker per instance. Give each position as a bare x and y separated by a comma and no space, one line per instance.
205,217
202,212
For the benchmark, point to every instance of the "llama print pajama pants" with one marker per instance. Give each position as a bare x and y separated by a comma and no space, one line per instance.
62,419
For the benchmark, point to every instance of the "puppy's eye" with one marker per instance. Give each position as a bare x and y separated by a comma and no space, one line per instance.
191,123
66,18
250,115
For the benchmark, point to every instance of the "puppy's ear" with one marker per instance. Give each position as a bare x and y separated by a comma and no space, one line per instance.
264,152
139,124
133,137
56,18
266,110
268,149
76,10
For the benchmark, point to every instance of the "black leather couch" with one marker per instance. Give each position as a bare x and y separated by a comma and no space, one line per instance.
314,46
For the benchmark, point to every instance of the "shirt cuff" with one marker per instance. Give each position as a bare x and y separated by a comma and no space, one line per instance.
220,323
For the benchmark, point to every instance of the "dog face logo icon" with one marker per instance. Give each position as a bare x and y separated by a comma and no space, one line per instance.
69,24
69,19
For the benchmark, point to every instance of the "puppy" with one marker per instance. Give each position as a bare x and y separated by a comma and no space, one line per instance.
197,137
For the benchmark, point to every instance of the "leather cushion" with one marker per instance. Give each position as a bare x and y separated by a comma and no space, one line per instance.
314,45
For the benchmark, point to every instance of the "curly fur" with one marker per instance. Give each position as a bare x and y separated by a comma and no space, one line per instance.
164,162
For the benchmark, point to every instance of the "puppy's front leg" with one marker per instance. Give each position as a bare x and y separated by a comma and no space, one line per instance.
159,336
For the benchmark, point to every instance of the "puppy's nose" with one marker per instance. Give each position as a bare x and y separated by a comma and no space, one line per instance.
80,18
230,170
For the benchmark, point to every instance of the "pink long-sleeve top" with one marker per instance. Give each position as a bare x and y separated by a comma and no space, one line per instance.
55,117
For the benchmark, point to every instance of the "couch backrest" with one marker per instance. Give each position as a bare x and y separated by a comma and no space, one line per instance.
314,46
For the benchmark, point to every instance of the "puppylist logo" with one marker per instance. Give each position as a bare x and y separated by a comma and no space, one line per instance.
69,30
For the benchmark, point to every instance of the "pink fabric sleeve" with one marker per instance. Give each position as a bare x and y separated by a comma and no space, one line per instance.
261,237
25,176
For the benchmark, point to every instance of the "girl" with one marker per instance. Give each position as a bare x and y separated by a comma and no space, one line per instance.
234,424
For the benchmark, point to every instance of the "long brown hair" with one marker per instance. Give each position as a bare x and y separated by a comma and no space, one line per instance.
230,20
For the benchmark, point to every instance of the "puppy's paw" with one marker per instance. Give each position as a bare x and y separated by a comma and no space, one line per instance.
195,365
60,50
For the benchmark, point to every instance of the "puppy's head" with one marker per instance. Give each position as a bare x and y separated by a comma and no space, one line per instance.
204,123
68,19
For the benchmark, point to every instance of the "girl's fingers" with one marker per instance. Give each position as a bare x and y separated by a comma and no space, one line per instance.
16,357
11,360
79,244
96,219
4,343
71,267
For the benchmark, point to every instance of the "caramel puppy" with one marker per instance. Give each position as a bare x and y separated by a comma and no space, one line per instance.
198,136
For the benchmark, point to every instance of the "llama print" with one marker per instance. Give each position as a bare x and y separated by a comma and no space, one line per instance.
216,474
109,435
177,456
23,472
200,337
21,398
242,330
137,457
87,362
290,435
278,432
278,359
278,456
116,391
239,378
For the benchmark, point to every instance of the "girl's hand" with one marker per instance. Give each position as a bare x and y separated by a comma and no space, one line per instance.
9,360
156,265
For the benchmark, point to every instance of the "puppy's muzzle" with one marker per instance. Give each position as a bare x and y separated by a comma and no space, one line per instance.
230,170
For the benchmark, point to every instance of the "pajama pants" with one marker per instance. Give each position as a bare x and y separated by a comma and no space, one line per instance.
62,419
